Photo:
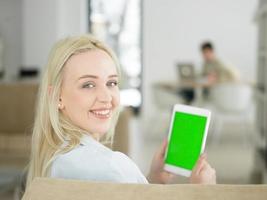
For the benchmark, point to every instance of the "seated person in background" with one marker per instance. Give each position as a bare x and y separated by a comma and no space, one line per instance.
214,70
77,110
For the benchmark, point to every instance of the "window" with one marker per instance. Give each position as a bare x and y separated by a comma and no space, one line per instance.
118,23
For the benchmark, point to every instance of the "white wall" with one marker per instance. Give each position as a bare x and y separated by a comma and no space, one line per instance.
173,30
72,17
44,22
10,31
39,31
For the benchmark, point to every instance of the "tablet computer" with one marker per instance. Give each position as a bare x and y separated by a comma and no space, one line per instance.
187,137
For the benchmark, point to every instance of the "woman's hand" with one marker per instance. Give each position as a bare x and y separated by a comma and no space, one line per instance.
157,173
203,173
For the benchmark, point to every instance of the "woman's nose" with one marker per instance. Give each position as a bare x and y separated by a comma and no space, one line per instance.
104,95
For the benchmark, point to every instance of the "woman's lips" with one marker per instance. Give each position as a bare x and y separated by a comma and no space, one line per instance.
101,113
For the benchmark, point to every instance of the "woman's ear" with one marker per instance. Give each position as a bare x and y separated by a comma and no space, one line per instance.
60,104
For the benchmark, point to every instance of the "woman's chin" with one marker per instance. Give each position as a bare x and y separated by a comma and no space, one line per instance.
99,133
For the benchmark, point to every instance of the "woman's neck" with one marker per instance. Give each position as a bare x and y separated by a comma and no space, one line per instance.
96,136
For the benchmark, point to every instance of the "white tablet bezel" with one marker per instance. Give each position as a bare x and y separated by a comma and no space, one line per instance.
189,110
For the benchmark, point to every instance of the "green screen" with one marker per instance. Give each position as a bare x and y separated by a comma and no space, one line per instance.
186,140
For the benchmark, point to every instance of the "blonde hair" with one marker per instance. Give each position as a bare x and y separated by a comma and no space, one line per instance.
51,129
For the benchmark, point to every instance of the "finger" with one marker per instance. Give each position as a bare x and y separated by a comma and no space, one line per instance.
163,147
200,164
169,174
206,168
166,177
208,174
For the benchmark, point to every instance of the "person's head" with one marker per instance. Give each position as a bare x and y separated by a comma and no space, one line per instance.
89,93
78,95
207,51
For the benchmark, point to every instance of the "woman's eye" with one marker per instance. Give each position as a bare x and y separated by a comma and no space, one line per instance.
88,85
112,83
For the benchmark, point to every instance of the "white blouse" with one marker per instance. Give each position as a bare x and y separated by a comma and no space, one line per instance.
93,161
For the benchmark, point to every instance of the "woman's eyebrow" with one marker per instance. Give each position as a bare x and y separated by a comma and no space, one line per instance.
113,76
96,77
88,76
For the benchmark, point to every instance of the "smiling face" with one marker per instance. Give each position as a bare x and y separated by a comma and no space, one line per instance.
89,92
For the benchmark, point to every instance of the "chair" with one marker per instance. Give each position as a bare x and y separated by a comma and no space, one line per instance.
232,103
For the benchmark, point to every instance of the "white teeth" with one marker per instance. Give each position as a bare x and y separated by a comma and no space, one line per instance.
102,112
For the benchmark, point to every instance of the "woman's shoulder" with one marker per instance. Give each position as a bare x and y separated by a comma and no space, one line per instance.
87,152
123,160
88,148
82,162
93,161
117,155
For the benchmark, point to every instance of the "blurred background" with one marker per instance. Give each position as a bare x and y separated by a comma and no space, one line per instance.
210,54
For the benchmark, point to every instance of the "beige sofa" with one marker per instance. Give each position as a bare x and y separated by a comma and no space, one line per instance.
17,104
58,189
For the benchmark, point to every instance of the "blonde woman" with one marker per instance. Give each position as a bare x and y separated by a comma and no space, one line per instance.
77,109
